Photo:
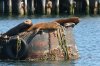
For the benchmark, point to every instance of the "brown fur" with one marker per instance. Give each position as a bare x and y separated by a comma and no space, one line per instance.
69,20
54,24
44,26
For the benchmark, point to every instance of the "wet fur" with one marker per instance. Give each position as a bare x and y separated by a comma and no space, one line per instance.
54,24
68,20
44,26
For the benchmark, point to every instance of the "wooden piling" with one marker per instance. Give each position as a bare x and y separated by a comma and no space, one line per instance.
38,7
50,7
71,7
10,7
21,8
33,8
87,7
96,7
57,4
30,7
64,7
15,7
78,8
1,7
53,9
25,6
43,6
92,2
7,7
83,7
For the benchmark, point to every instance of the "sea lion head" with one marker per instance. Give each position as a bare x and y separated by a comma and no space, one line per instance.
75,20
28,22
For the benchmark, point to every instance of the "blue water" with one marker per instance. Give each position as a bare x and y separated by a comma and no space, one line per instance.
87,37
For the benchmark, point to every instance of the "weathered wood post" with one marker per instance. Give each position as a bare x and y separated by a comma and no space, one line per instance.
71,7
87,6
38,6
57,4
79,6
49,7
25,4
21,8
1,7
15,7
10,7
99,6
30,7
44,5
33,8
64,6
7,7
95,7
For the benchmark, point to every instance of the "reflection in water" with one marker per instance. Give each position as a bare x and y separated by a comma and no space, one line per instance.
45,63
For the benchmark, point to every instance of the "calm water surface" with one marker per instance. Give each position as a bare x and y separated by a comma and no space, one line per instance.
87,37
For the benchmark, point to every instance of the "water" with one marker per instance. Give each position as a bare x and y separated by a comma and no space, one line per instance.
87,37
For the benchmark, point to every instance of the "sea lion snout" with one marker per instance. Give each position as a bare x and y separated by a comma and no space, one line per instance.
28,21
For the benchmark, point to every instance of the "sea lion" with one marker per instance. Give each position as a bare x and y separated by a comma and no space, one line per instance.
44,26
54,24
68,20
19,28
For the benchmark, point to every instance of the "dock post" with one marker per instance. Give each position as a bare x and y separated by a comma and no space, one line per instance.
57,7
99,6
21,7
33,8
50,8
7,7
30,7
38,6
43,4
1,7
87,7
10,7
95,7
79,6
15,7
25,6
71,7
